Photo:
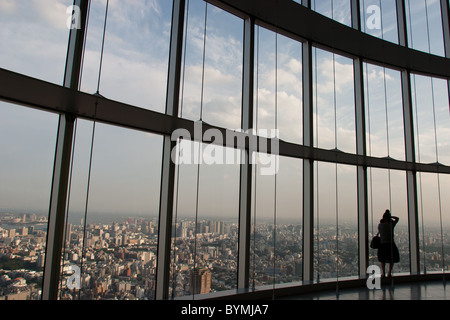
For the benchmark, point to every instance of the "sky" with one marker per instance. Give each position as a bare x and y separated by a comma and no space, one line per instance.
125,173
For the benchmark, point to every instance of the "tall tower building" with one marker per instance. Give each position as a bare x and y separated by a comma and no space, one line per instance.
202,281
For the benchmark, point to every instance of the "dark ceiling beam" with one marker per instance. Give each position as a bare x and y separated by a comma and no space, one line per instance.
293,18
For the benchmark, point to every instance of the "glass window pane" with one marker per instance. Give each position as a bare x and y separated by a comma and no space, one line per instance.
212,71
204,244
379,19
387,191
278,97
442,110
445,185
384,112
135,60
336,229
431,119
112,229
334,102
263,270
289,217
276,236
34,37
27,141
424,26
338,10
430,232
347,221
399,208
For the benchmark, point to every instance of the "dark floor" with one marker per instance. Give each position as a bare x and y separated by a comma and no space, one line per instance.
405,291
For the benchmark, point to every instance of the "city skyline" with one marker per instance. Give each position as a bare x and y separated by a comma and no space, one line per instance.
117,260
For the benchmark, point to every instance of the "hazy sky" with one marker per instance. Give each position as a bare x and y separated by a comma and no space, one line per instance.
125,176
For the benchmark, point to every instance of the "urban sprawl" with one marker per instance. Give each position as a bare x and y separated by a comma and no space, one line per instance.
119,260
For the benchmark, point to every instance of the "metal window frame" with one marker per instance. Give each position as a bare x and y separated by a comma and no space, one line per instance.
361,149
61,167
168,166
245,182
314,30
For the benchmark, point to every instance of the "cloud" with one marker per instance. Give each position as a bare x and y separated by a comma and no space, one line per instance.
334,74
213,76
134,82
8,6
377,75
339,10
36,35
289,114
52,12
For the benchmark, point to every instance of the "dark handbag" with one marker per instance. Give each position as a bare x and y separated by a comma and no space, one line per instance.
375,243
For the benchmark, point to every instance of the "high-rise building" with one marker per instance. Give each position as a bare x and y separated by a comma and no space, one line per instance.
201,283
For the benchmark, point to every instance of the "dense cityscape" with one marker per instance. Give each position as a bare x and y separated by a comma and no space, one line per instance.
119,258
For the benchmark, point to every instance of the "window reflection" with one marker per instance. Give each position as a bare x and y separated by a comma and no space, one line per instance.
338,10
136,50
334,101
263,233
27,141
384,112
34,37
205,230
112,223
379,19
276,251
424,23
442,115
289,217
444,180
111,236
387,190
336,228
431,118
430,225
212,66
278,81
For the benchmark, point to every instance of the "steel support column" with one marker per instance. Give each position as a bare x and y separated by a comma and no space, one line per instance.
411,182
168,166
446,26
61,168
360,118
361,169
245,188
308,164
446,31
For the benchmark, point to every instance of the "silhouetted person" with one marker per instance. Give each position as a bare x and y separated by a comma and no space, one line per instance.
388,251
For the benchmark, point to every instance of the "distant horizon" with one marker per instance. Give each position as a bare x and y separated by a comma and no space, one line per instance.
109,217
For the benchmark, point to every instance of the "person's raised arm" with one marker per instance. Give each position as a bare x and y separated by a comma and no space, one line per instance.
395,220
